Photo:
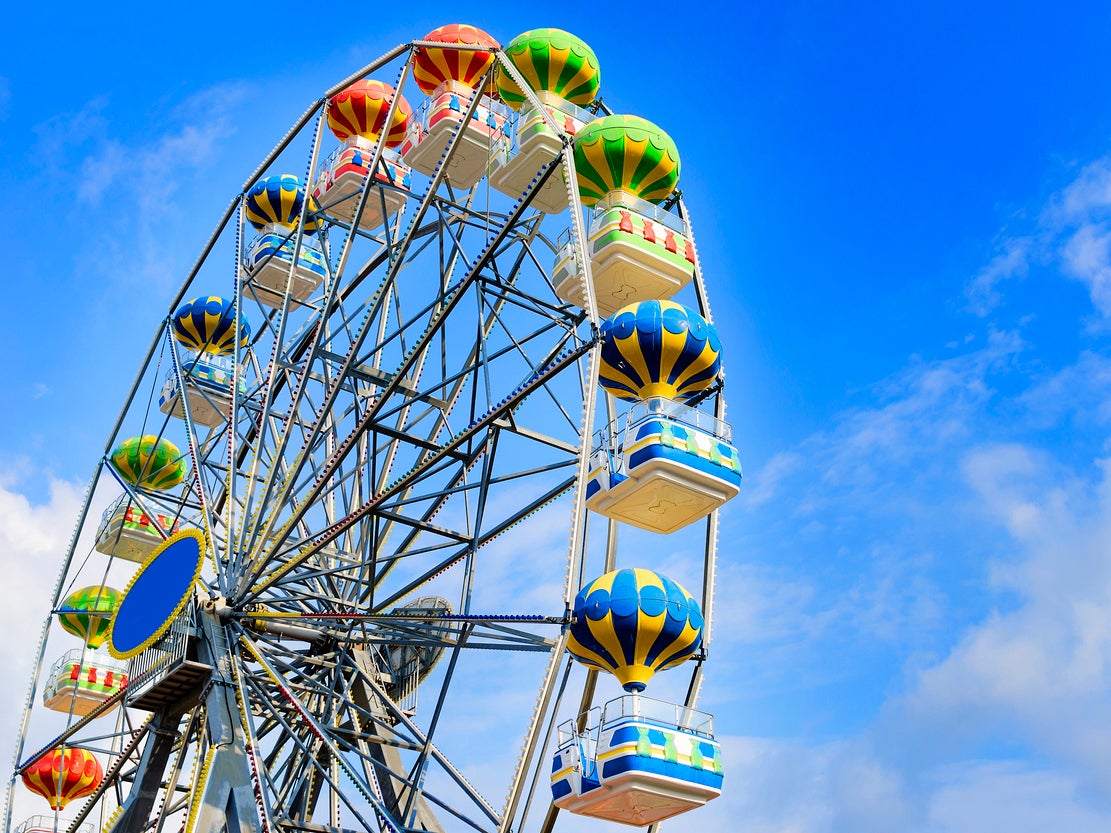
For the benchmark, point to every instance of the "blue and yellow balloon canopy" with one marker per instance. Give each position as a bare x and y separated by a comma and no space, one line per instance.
658,348
277,201
207,324
634,623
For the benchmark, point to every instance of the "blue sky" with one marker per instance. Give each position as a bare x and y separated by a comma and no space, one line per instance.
903,214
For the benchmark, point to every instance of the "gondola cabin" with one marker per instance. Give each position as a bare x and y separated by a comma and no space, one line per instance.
127,532
207,380
48,824
637,252
669,467
347,170
436,122
266,269
644,761
81,680
514,168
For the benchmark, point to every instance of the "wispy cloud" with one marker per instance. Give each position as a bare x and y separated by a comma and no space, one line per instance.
960,518
134,184
1071,235
1038,674
926,407
1012,261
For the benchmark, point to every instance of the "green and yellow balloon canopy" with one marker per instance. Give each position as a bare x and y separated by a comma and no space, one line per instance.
149,462
87,613
553,61
625,153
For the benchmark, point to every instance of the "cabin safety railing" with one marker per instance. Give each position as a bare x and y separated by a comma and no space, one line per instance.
621,432
91,666
671,715
47,823
660,407
163,656
653,212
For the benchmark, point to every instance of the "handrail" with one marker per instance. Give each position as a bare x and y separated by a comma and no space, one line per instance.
165,654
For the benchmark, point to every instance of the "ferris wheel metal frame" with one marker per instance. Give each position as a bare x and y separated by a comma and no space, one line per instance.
289,701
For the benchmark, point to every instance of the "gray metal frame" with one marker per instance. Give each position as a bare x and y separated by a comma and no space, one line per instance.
431,397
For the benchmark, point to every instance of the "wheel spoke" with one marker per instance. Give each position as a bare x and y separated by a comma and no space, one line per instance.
387,414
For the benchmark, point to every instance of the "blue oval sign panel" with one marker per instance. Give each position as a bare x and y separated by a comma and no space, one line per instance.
157,594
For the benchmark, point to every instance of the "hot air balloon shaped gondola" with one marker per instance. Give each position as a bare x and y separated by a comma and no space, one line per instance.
61,776
274,206
86,613
85,677
640,761
357,117
638,251
208,331
452,75
563,73
664,464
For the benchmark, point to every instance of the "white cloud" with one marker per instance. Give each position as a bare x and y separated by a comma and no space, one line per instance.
1071,234
33,538
138,186
964,520
1076,394
1039,674
985,796
149,167
928,406
1012,261
1086,256
1087,195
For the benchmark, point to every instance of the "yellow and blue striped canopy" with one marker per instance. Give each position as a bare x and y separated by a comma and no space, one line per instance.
207,324
633,623
277,200
149,462
658,348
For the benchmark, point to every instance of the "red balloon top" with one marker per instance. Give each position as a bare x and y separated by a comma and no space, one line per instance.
81,776
361,109
434,66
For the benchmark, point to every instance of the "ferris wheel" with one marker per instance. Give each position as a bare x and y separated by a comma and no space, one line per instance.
358,565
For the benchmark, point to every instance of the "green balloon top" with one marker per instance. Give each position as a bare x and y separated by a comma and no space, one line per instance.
625,153
550,60
149,462
86,613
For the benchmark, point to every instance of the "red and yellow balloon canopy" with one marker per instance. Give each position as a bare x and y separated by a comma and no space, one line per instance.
433,66
361,109
63,775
